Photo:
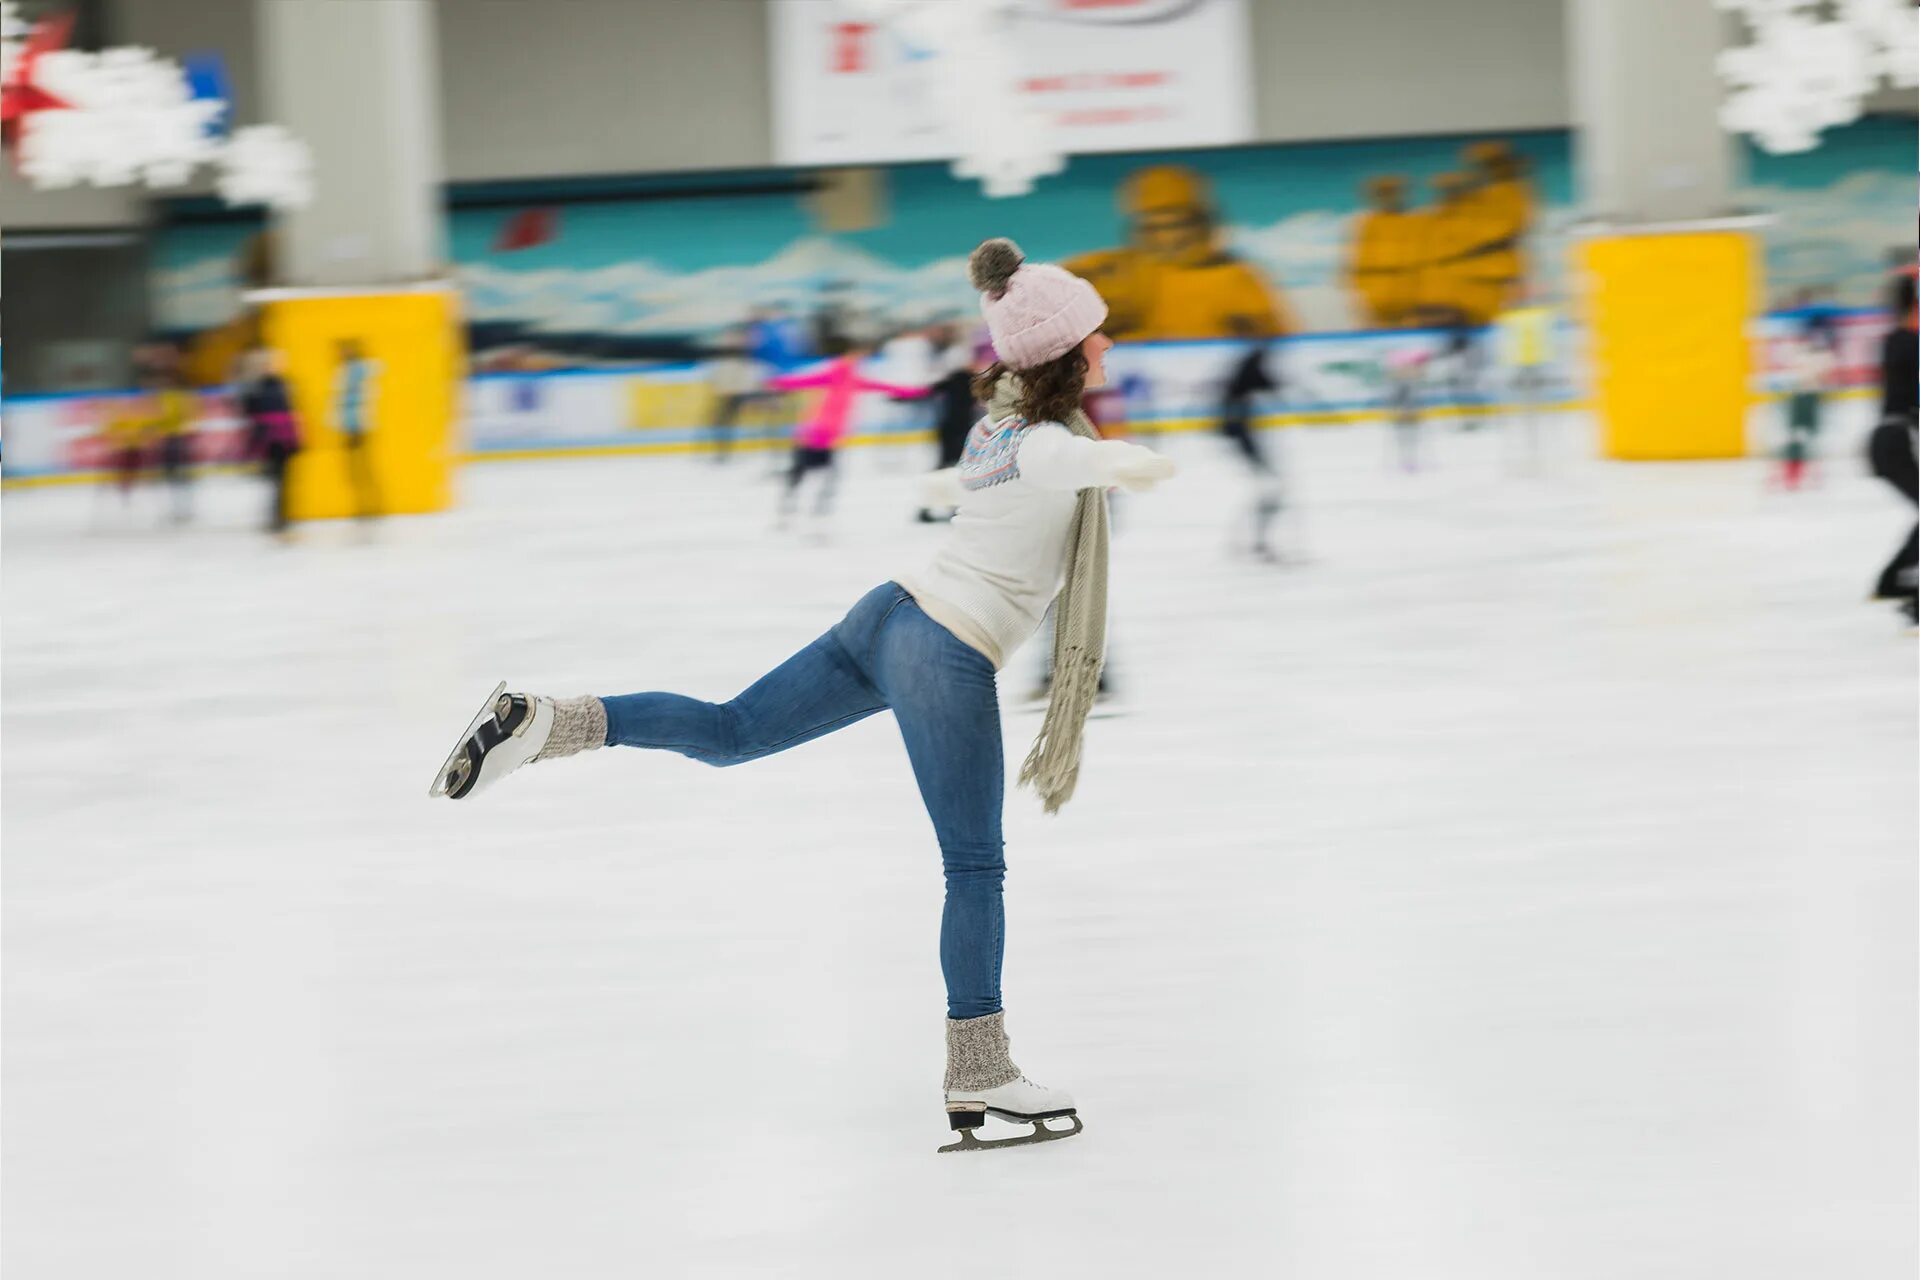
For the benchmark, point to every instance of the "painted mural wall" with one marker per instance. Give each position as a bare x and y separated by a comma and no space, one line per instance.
1187,245
587,319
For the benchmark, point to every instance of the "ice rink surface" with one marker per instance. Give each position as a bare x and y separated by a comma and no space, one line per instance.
1521,884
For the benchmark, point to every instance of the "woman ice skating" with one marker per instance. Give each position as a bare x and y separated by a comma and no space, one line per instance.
1031,528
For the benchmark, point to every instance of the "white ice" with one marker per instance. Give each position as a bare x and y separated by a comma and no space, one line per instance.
1520,885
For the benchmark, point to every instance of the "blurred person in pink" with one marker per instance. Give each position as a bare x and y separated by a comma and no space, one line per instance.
816,439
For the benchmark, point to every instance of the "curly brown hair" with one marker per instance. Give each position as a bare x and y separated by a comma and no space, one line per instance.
1049,392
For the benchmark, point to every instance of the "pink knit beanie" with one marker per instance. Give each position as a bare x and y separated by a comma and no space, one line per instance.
1035,312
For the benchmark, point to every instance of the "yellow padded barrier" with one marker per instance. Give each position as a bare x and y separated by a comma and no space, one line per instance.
414,337
1668,316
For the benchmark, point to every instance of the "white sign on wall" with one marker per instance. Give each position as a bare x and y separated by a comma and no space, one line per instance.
1110,75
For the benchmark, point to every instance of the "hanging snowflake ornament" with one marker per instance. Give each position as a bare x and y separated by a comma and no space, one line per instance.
128,117
1005,173
21,93
1000,140
265,164
13,39
1804,71
1798,77
1891,32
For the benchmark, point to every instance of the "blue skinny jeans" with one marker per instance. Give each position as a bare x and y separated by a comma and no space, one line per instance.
884,654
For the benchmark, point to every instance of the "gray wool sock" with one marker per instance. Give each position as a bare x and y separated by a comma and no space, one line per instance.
977,1053
579,724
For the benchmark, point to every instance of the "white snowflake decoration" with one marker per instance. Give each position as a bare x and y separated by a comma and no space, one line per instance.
130,116
1007,173
1002,141
1803,73
265,164
1891,30
1799,77
13,35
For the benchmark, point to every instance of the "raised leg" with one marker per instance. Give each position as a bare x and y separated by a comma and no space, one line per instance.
816,691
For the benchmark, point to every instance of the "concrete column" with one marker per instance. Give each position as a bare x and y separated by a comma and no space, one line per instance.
357,81
1648,146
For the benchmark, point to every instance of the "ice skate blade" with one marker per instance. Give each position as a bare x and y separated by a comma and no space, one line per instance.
1040,1133
440,787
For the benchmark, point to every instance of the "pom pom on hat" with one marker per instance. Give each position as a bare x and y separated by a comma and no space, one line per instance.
1035,311
992,265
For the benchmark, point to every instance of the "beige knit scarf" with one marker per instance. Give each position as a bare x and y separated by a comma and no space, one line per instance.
1079,628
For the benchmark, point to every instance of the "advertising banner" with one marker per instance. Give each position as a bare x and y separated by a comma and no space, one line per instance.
1111,75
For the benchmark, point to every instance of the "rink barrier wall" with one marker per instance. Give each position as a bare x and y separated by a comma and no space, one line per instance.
1166,387
1172,426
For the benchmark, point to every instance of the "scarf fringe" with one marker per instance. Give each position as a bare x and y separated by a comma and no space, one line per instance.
1052,768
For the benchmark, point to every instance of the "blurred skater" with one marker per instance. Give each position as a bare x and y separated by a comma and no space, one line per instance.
1525,343
353,400
1406,369
778,343
910,357
1031,488
129,435
273,434
1464,358
736,378
1819,318
955,410
1809,371
1891,448
1250,379
173,421
817,440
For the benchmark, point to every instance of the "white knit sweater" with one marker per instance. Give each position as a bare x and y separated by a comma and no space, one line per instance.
1005,554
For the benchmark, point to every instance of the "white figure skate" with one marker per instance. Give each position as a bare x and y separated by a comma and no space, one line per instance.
509,731
1021,1101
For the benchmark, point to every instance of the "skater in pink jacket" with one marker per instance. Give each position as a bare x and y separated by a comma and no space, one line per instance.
815,440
